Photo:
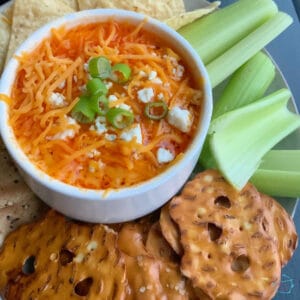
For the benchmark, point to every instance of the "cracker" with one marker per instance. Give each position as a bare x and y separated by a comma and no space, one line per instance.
72,3
18,204
281,227
178,21
170,230
71,260
161,10
227,253
148,276
4,39
28,18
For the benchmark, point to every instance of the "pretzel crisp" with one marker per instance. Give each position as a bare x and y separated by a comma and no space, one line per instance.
227,252
170,229
281,227
149,277
71,261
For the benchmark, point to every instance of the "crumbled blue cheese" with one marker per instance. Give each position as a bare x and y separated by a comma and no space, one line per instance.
157,80
86,67
133,132
69,133
71,121
160,96
152,75
178,71
142,73
180,118
57,100
164,155
93,153
112,98
108,84
100,125
125,106
110,137
62,84
145,95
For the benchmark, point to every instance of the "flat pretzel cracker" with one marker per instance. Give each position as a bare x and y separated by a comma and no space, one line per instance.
281,227
70,260
227,252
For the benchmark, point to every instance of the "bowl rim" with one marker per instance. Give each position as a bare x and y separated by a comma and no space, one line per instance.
72,20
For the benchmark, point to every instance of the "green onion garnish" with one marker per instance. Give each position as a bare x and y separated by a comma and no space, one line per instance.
156,110
119,117
96,86
99,104
82,112
100,67
120,72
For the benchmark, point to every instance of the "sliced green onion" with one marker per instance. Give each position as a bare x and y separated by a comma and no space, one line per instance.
96,86
120,118
120,72
99,104
100,67
156,110
82,112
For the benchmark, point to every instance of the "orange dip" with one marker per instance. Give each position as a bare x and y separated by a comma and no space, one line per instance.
97,155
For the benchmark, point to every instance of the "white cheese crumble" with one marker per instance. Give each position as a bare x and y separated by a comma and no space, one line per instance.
164,155
110,137
133,132
152,75
125,106
100,125
145,95
112,98
71,121
178,71
75,78
157,80
93,153
57,99
108,84
86,67
62,84
180,118
69,133
160,96
142,73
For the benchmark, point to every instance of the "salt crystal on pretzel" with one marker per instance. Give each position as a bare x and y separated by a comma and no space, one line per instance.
70,260
227,253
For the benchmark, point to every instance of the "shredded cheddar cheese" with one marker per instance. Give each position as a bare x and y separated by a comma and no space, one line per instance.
50,81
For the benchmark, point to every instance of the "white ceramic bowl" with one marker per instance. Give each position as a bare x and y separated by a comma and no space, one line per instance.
126,203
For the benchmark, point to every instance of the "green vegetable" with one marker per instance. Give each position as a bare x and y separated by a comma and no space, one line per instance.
119,117
246,85
279,173
82,111
214,34
239,139
100,67
120,73
156,110
225,64
96,86
99,104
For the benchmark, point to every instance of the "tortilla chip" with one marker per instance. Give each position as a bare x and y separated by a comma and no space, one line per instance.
28,18
72,3
161,10
18,204
183,19
4,39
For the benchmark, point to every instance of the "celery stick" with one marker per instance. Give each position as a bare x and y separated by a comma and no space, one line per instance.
240,138
217,32
246,85
277,182
279,173
232,59
206,158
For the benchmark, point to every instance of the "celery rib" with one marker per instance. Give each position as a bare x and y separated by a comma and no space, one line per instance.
210,36
224,65
240,138
246,85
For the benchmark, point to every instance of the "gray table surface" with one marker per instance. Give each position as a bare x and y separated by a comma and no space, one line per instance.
285,50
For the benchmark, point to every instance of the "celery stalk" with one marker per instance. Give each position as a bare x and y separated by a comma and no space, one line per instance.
246,85
279,173
217,32
240,138
232,59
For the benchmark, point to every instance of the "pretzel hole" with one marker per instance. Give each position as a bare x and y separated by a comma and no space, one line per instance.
82,288
223,201
28,266
214,231
65,257
240,264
